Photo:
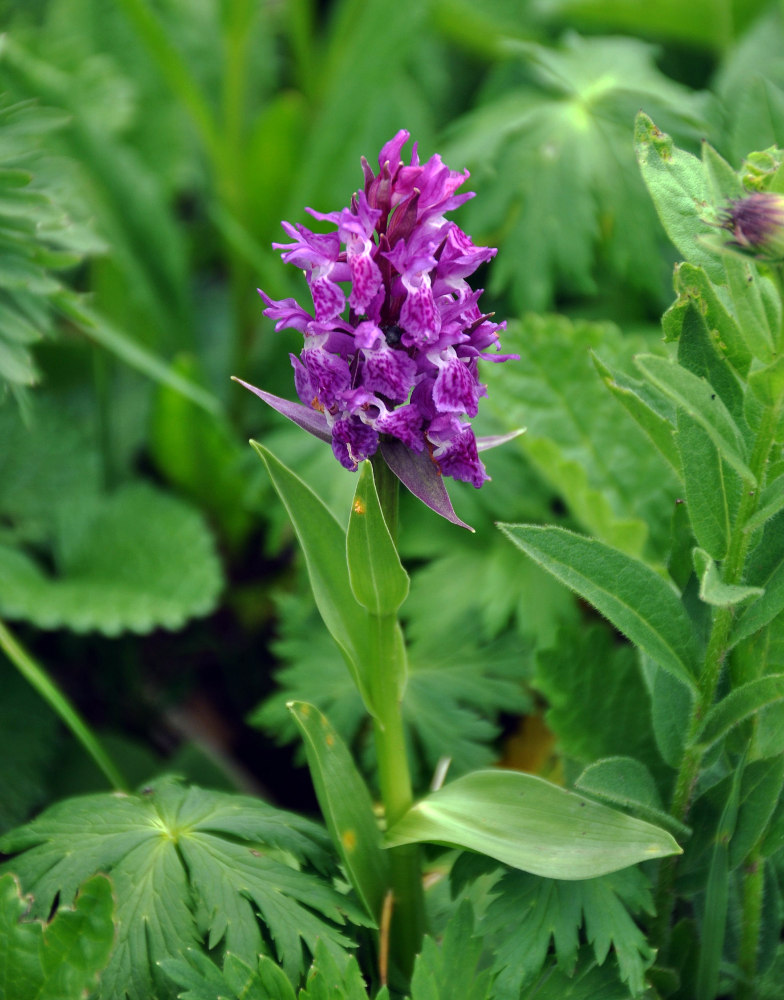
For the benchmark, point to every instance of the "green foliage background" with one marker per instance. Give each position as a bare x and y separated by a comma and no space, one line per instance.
148,152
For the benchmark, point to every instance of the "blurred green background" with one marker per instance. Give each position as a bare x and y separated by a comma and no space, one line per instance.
148,151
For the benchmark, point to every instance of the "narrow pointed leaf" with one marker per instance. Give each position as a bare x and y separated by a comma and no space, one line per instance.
694,286
324,546
528,823
713,590
739,705
377,577
629,394
705,477
346,806
420,474
770,503
702,404
309,420
638,601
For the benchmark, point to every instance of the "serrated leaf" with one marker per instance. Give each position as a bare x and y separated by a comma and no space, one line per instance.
137,560
456,689
557,119
713,590
346,806
698,398
530,824
182,860
60,959
378,580
597,702
451,970
630,594
529,915
324,547
741,703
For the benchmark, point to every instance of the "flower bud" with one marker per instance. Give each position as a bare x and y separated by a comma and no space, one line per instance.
756,223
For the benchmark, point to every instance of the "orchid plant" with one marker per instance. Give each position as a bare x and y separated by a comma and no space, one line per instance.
175,891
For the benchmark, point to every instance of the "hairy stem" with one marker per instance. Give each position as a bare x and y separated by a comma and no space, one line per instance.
715,655
753,889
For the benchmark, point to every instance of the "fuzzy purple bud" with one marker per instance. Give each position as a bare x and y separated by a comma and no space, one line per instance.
756,223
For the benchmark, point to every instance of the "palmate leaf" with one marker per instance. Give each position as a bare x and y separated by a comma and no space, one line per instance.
456,689
557,122
455,968
60,959
545,912
186,864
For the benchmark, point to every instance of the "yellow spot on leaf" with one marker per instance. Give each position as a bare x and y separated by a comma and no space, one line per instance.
349,839
359,507
330,739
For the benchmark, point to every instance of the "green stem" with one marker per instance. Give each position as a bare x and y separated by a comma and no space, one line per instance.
388,676
51,694
753,889
715,655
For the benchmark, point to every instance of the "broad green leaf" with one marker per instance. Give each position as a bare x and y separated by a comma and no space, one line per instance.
765,569
136,560
60,959
531,918
377,578
185,864
646,411
713,590
705,477
626,782
740,704
701,402
528,823
671,703
587,982
574,437
760,794
677,183
638,601
346,807
324,547
453,968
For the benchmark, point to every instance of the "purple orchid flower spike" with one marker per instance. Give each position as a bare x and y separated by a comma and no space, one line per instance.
398,374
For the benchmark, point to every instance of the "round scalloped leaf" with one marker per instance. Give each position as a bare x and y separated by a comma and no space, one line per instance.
135,561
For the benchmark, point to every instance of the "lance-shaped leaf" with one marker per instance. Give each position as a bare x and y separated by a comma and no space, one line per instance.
739,705
677,183
647,408
638,601
419,473
375,572
324,546
702,403
528,823
345,805
705,481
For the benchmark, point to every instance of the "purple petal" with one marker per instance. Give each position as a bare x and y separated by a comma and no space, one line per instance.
312,421
420,474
